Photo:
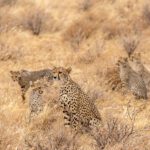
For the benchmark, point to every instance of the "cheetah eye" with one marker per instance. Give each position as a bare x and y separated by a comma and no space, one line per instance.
60,72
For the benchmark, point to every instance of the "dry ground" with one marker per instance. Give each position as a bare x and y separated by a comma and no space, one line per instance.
86,35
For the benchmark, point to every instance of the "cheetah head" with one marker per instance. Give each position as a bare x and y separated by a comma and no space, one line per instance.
122,62
15,75
136,58
60,73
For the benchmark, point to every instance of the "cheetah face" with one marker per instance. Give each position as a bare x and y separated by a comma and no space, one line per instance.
60,73
39,89
136,58
15,75
122,62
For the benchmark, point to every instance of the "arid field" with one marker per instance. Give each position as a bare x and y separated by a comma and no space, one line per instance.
88,36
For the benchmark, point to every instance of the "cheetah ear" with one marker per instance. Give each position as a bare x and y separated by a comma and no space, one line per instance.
69,69
11,72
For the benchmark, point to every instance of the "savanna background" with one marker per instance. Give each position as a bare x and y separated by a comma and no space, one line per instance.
87,35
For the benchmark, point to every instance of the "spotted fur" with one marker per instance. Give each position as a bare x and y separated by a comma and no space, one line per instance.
25,78
132,80
36,103
137,65
80,112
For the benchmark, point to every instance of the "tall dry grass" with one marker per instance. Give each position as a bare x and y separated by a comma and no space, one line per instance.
90,31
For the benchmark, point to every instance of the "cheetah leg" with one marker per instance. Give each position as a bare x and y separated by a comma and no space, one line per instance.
23,97
66,118
75,123
30,117
95,123
24,90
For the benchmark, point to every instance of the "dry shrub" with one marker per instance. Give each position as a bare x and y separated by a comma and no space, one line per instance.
81,30
37,20
85,5
50,141
110,29
8,52
34,21
7,20
146,13
130,43
48,133
87,58
94,94
112,79
7,2
114,133
92,53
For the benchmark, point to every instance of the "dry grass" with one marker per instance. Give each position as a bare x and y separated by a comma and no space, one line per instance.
34,21
7,2
112,79
85,5
146,13
37,21
8,52
93,33
81,30
115,133
130,43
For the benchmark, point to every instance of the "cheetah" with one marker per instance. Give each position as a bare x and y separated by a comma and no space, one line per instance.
132,80
35,102
80,112
25,78
137,65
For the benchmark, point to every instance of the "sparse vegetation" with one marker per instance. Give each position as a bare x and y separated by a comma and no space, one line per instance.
34,21
92,53
7,2
85,5
80,31
83,35
146,13
110,31
115,133
10,53
112,78
130,43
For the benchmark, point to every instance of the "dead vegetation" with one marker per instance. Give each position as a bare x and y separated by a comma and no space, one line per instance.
110,31
8,22
112,79
85,5
61,140
7,2
34,21
29,28
115,133
37,21
130,43
8,52
146,13
81,30
93,53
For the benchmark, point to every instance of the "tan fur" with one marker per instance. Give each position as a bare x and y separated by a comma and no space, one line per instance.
132,80
137,65
25,78
80,111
